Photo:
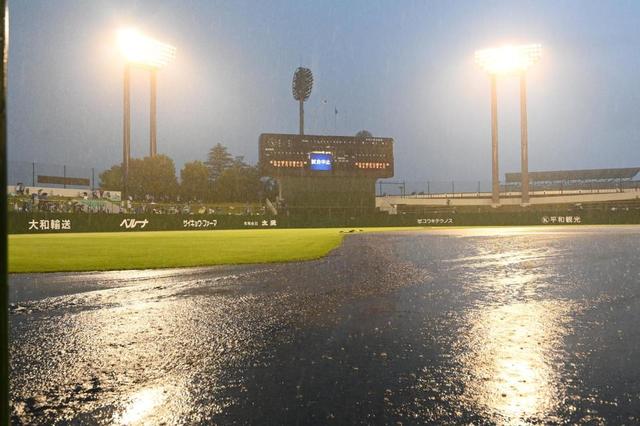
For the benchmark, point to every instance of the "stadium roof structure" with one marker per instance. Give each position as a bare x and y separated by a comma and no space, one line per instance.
577,175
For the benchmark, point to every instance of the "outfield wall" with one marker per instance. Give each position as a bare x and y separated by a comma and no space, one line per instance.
37,223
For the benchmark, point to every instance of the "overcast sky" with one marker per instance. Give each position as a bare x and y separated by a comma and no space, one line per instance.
398,69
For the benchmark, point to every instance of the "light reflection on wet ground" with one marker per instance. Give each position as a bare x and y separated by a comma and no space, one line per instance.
500,325
511,358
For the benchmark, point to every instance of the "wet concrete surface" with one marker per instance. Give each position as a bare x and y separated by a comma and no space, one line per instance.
483,326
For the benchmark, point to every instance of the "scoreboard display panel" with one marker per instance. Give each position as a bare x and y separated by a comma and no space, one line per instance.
315,155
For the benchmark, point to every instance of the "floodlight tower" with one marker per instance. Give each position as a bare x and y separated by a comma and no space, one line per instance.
502,61
147,53
301,87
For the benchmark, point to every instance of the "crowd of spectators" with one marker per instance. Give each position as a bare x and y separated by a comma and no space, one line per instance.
24,199
190,208
97,201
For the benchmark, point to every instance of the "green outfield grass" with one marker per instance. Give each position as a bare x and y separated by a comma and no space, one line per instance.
168,249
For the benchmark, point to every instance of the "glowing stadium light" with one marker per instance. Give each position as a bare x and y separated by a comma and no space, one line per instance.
508,59
503,60
142,50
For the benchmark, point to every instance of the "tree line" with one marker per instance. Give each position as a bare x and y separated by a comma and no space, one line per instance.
222,177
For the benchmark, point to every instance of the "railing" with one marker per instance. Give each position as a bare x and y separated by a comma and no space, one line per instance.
482,189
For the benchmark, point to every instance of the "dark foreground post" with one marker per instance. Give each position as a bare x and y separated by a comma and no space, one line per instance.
4,298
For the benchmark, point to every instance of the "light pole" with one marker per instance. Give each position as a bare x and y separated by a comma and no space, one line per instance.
153,95
146,53
502,61
495,173
126,137
301,87
524,142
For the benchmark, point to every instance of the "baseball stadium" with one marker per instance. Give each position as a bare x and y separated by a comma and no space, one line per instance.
287,213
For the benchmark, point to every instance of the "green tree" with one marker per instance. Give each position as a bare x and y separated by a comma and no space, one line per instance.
111,179
194,181
147,176
154,176
239,183
218,160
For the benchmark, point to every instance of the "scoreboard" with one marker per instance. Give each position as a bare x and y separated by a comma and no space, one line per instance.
315,155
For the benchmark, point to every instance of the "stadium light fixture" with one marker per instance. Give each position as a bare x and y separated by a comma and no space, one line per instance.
145,52
507,60
302,86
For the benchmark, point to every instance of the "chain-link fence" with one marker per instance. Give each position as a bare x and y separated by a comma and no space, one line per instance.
53,175
468,189
432,188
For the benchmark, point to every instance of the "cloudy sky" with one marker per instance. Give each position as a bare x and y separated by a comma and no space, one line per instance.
400,69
